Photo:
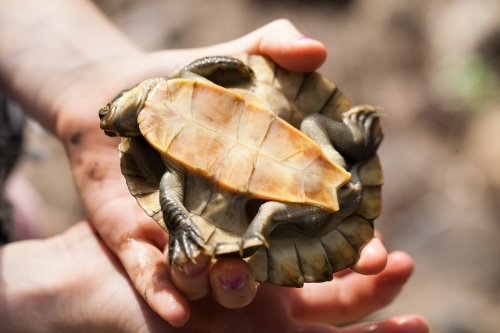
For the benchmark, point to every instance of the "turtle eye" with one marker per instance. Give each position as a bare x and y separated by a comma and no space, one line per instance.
104,111
110,134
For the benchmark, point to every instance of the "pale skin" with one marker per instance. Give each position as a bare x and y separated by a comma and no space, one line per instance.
62,61
74,283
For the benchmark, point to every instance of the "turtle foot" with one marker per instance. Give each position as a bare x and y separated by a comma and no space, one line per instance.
364,123
185,245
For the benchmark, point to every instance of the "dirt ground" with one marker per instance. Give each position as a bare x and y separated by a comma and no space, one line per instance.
433,66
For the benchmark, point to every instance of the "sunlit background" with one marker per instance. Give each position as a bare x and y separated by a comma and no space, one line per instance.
433,65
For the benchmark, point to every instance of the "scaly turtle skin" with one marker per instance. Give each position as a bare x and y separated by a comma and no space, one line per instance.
231,176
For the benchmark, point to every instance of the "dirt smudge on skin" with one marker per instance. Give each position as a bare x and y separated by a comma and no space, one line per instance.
76,138
94,173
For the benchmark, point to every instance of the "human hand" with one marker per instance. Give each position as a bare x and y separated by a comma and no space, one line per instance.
130,233
80,286
67,71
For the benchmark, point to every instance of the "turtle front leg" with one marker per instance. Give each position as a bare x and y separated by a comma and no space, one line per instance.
185,240
217,69
355,139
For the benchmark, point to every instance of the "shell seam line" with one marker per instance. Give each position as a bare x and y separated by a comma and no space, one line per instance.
347,240
326,253
298,260
209,198
332,94
274,74
259,152
302,84
239,120
176,135
220,162
212,234
311,164
370,221
252,172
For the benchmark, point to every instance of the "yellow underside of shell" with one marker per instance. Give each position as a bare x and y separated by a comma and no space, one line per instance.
239,145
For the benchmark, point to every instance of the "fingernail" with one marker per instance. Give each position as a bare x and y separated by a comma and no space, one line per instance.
193,270
233,283
411,325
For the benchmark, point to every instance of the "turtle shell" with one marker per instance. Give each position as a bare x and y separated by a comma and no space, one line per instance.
238,145
291,258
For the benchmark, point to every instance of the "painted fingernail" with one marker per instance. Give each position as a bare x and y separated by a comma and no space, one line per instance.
233,283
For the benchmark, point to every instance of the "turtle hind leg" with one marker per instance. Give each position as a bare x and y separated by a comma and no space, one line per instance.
364,124
355,139
270,215
185,240
224,71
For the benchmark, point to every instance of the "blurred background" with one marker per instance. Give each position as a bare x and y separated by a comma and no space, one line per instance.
433,65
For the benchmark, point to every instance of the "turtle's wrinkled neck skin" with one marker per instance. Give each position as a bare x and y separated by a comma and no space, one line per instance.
119,117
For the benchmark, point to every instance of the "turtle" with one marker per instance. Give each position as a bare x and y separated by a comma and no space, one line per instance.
209,155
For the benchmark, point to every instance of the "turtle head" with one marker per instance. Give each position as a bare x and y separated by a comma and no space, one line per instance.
119,117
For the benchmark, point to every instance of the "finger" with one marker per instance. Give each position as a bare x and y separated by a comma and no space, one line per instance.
135,238
192,279
139,242
279,40
378,234
146,265
372,259
315,328
233,283
353,296
342,273
402,324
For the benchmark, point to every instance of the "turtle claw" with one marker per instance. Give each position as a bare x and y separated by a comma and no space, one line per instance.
244,246
184,246
225,249
262,239
248,245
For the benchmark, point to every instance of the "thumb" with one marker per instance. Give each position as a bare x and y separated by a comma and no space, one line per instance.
279,40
